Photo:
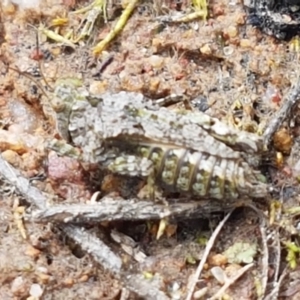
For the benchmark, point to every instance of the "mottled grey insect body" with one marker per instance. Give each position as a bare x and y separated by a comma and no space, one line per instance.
186,152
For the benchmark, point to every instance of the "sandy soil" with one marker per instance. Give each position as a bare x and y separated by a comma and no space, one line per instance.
240,73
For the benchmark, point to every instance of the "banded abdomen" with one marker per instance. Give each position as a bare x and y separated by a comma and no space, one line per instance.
203,175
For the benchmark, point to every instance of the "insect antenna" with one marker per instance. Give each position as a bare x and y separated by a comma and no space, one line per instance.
39,60
29,76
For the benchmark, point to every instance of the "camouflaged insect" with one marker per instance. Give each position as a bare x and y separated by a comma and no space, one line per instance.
186,152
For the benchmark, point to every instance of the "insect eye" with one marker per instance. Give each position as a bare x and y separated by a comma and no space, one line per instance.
132,111
58,105
94,101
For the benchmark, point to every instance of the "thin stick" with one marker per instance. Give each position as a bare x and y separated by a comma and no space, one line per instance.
39,62
276,284
265,258
31,194
91,245
285,112
118,27
109,209
230,281
274,294
209,246
29,76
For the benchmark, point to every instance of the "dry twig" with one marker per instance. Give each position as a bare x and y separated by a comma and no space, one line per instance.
284,113
209,246
274,294
109,209
265,258
230,281
277,263
277,248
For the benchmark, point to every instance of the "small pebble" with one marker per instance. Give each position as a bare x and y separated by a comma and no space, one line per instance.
32,252
36,291
44,278
154,84
218,10
17,285
200,293
83,278
245,43
61,168
98,87
42,270
23,115
240,19
219,274
10,141
283,141
232,31
156,61
228,50
8,8
11,157
206,50
68,282
218,260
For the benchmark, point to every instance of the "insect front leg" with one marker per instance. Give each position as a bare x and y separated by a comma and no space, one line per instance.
64,149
